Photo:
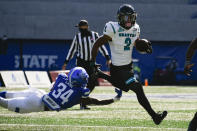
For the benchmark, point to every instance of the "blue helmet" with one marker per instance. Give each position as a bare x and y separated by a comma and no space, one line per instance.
78,77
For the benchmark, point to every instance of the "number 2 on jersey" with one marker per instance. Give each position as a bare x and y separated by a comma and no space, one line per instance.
58,94
128,43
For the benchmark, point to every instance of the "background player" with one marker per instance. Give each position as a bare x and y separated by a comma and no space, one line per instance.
187,69
66,92
122,36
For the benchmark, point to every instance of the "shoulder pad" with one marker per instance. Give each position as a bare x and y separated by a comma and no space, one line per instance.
109,29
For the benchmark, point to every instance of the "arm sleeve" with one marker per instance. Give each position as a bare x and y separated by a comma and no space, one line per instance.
71,51
191,50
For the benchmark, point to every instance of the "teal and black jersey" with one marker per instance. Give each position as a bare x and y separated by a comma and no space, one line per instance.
122,42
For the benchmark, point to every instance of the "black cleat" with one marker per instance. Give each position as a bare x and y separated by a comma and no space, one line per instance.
159,117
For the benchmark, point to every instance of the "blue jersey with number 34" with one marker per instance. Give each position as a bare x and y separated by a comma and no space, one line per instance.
63,96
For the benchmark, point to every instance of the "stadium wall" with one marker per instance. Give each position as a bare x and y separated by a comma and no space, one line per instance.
169,24
160,20
49,55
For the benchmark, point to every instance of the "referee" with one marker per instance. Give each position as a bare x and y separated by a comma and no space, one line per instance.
82,45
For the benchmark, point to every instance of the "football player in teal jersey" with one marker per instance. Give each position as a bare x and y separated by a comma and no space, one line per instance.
122,36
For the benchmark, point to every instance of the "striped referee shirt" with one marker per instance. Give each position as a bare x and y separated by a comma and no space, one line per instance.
83,47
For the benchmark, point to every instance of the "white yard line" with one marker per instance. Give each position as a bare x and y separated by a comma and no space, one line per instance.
38,125
181,96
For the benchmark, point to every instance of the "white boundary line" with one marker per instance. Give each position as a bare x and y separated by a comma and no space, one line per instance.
39,125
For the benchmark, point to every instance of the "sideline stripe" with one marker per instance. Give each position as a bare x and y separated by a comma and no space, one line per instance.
31,125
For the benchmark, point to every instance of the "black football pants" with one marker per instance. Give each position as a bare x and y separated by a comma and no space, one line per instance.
123,78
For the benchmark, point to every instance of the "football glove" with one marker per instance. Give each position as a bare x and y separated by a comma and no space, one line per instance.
187,69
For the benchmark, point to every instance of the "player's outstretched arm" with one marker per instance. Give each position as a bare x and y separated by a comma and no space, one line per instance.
189,54
191,50
99,42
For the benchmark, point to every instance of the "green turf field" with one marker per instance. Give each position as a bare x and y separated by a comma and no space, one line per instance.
125,115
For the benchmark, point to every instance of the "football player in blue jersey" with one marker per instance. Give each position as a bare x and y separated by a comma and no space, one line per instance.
66,92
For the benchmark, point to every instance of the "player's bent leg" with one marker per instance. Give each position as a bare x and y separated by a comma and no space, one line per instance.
14,94
23,93
142,99
3,102
22,105
192,124
32,103
125,80
17,105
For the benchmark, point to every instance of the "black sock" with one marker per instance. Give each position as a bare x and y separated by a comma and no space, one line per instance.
192,125
142,99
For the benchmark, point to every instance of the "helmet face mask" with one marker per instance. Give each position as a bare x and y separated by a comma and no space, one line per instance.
126,16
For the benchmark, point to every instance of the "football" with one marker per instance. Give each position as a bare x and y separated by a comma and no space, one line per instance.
143,46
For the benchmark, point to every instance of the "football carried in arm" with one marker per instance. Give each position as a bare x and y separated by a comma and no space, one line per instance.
143,46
